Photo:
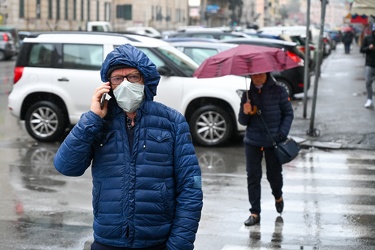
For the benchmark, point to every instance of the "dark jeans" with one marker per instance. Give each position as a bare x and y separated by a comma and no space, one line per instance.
347,47
254,156
97,246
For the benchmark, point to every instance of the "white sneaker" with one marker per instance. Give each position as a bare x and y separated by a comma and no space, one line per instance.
368,104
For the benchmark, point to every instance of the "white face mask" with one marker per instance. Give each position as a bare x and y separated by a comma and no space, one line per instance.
129,96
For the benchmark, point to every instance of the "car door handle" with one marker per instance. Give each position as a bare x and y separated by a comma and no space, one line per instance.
64,79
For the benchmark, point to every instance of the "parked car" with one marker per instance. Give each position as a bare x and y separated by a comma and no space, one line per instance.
190,39
200,51
14,32
146,31
209,34
22,35
291,79
296,38
56,74
7,46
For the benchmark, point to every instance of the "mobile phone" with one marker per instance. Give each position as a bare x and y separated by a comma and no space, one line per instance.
102,100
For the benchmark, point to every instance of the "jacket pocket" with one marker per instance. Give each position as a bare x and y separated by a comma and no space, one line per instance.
168,200
159,146
105,148
96,196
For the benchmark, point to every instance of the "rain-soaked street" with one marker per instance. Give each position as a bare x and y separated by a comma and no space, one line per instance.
328,190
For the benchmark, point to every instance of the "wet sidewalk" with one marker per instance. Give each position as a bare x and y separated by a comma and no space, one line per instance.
340,120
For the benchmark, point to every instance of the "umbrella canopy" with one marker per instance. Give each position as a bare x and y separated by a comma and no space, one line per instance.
245,60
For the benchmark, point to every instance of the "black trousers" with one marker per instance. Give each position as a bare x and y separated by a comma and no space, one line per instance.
97,246
254,157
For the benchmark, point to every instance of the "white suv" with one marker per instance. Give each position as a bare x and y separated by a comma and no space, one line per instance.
57,73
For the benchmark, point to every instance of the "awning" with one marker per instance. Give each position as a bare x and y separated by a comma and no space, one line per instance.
363,7
359,19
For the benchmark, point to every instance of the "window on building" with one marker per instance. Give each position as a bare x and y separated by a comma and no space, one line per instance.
88,11
37,9
50,15
74,9
66,7
22,9
124,11
57,9
97,10
82,13
107,12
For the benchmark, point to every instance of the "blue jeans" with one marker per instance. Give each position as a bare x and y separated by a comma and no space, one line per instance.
369,77
254,156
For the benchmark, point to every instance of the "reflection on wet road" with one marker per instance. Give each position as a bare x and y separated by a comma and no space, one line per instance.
329,202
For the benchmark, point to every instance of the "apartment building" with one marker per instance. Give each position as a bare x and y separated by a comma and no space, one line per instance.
74,14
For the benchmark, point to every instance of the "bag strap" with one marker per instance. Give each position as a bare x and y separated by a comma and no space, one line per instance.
259,112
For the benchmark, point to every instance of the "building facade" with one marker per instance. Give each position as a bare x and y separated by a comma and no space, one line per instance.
41,15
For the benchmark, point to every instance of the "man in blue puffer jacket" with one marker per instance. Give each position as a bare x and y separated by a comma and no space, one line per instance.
147,191
277,112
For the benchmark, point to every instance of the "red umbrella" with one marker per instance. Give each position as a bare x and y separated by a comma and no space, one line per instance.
245,60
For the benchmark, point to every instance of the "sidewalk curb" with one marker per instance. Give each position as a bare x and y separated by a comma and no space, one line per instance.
308,143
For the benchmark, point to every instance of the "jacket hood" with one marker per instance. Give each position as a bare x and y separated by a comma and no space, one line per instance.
270,81
130,56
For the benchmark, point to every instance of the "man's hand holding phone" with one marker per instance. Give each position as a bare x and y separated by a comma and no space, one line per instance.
99,101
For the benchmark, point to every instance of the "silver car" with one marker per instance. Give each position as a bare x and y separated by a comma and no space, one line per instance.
7,46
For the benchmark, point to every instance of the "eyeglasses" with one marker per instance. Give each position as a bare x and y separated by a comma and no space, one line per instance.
133,78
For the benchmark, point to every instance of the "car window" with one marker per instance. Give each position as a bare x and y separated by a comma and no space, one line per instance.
153,57
200,54
180,61
41,55
228,36
82,56
203,35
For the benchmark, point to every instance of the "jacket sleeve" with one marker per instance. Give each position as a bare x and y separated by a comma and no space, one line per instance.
75,153
243,119
287,115
189,193
365,45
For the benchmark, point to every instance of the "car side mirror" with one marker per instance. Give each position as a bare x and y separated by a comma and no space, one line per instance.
165,71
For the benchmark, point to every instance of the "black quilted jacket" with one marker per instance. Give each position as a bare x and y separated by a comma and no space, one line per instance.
277,112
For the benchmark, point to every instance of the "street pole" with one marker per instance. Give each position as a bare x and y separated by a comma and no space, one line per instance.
306,77
313,131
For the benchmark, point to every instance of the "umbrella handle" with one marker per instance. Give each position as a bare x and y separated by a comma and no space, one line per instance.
254,110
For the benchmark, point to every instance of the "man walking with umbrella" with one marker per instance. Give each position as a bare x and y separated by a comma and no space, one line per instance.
275,109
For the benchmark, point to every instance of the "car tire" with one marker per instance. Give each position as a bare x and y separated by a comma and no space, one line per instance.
2,55
286,86
45,121
211,126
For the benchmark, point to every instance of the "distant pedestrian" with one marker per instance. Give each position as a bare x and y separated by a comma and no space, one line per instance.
277,113
368,47
347,39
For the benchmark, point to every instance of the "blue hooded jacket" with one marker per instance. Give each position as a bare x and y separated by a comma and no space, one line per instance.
146,196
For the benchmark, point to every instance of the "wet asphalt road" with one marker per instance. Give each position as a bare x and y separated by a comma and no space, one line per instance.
328,190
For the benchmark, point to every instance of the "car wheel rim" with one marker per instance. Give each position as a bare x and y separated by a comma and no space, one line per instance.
211,127
44,122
